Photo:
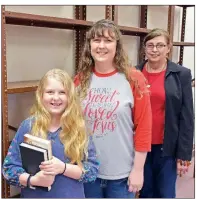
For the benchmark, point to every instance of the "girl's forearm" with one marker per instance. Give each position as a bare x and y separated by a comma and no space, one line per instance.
23,179
73,171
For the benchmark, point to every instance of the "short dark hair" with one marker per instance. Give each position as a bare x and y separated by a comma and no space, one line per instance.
156,32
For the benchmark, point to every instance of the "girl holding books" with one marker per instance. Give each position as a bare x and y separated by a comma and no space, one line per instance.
56,116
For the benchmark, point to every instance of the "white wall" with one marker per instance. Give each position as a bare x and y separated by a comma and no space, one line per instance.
188,55
129,16
33,51
53,11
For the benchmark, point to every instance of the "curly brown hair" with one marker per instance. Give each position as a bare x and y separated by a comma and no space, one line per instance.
87,62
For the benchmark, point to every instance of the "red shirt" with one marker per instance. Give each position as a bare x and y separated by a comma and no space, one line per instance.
157,97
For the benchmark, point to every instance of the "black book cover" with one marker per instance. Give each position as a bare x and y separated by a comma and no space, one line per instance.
31,157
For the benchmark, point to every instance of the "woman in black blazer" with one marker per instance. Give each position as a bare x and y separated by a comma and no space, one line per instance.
172,113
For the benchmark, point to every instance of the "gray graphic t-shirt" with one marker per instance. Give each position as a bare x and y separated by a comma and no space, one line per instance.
108,113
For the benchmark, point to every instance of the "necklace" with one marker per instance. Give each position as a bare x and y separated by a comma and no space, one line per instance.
147,69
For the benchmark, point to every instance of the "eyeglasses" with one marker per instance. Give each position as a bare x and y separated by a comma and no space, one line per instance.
158,46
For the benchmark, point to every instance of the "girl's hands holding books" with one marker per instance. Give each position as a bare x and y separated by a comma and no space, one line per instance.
40,179
52,167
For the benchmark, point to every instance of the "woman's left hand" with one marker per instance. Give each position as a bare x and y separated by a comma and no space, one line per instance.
136,180
182,167
52,167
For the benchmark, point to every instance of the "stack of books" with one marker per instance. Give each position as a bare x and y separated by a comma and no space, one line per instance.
35,150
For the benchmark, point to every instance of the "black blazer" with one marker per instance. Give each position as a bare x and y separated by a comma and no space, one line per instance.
179,118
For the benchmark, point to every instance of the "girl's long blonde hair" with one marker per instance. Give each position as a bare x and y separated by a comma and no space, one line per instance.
73,134
87,62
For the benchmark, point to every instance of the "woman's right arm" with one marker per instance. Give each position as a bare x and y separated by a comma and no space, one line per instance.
142,119
12,166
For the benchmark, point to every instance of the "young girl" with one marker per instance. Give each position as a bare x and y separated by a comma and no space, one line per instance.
56,116
116,107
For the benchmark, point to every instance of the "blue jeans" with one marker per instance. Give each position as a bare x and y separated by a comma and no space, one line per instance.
108,189
160,175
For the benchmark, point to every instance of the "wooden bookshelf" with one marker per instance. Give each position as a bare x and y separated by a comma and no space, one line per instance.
21,87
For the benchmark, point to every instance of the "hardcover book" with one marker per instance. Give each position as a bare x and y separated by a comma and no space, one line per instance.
39,142
32,157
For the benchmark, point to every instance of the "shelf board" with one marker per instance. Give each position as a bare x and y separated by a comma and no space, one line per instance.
24,19
133,31
21,87
12,128
16,18
183,44
186,5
